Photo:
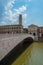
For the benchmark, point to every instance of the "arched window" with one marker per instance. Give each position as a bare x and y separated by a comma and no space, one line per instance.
34,34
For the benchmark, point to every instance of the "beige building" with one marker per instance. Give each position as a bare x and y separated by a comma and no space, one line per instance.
12,28
33,30
25,30
40,33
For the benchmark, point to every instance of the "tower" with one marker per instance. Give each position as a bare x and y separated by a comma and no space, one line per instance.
20,19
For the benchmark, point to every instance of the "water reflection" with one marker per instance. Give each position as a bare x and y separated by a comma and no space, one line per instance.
33,55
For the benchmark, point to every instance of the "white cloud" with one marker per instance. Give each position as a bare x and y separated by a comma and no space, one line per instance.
3,23
24,16
9,15
9,4
12,16
20,9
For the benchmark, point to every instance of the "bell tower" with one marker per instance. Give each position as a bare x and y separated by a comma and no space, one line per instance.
20,19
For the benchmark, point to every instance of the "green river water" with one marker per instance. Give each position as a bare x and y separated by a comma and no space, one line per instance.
33,55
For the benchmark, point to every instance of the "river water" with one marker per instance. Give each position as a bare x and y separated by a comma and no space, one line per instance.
33,55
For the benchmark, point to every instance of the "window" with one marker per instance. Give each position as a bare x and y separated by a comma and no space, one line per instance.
19,27
42,35
34,34
14,27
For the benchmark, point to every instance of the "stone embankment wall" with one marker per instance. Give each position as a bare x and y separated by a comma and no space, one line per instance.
40,38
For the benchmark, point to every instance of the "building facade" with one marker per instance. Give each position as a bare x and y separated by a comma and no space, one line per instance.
25,30
33,30
41,33
12,28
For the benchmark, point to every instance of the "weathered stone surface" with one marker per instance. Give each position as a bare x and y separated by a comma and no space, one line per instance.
9,41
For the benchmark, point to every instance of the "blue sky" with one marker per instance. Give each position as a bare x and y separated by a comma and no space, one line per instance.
31,10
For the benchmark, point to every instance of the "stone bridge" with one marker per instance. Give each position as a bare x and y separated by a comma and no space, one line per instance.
9,41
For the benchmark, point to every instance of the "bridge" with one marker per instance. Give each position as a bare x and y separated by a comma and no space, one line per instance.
9,41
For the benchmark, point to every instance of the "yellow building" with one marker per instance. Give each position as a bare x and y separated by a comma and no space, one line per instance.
12,28
25,30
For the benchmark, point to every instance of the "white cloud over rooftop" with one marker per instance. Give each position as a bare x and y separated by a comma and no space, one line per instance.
32,11
11,16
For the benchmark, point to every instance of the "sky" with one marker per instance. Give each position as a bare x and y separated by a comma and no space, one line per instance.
31,10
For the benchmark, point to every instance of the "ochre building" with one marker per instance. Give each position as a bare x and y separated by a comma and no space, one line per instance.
12,28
